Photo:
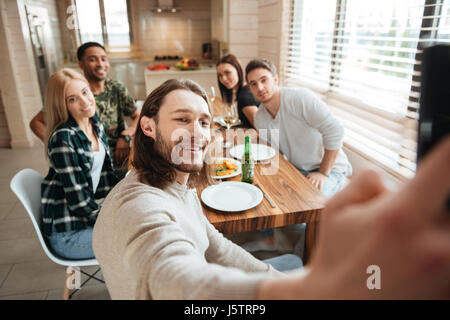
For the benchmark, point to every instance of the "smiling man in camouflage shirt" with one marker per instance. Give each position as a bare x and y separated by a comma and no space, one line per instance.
114,102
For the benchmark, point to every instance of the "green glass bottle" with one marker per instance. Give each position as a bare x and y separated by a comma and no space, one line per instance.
248,166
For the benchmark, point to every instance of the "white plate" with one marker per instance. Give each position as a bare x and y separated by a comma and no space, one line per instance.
223,124
237,172
259,152
232,196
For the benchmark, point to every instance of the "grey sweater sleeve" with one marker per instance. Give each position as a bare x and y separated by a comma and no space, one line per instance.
226,253
317,114
164,261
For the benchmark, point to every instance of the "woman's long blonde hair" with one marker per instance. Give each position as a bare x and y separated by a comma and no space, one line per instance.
56,112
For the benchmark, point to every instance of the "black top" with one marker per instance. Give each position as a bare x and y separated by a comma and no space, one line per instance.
245,98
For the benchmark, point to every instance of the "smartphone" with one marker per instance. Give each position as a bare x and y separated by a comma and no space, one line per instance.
434,110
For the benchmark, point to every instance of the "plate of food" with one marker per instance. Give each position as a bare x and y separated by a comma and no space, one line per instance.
187,64
260,152
226,168
232,196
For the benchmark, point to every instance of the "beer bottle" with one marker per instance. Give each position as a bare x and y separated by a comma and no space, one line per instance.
248,166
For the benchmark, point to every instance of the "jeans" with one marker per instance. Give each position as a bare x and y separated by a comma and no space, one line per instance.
285,262
72,244
333,184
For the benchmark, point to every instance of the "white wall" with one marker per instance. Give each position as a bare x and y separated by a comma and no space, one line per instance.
217,20
273,19
243,29
167,33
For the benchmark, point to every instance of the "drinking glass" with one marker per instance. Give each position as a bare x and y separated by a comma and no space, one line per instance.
213,94
230,117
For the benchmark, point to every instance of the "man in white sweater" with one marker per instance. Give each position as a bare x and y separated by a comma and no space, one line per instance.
309,136
153,242
152,225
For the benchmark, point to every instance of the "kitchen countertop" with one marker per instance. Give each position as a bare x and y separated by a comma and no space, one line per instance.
205,76
150,61
132,74
173,70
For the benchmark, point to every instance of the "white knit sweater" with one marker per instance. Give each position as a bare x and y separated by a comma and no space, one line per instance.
306,127
155,244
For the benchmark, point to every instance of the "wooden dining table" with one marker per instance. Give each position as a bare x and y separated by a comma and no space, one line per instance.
296,200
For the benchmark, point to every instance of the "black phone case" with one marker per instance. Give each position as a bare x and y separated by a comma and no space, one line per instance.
434,112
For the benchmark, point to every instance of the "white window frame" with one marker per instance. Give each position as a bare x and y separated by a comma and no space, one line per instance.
105,32
407,123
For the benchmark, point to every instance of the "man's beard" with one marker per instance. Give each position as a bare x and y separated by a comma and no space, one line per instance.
166,149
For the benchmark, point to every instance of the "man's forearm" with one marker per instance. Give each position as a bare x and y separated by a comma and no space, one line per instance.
134,125
39,130
38,126
328,160
132,128
295,285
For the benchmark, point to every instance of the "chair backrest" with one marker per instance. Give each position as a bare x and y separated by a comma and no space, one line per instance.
26,185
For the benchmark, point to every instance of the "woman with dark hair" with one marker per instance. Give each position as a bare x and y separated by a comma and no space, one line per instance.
233,88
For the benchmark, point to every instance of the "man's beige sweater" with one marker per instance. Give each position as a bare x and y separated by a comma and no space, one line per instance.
157,244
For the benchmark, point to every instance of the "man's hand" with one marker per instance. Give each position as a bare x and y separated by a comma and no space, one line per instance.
122,151
405,233
317,179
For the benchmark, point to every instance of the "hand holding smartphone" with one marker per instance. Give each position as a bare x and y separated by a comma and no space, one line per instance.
434,113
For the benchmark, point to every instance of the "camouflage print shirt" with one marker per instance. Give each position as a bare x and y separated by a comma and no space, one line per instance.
113,105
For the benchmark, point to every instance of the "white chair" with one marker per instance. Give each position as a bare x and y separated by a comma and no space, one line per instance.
26,185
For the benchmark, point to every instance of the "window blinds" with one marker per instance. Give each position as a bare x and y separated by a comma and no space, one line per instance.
363,58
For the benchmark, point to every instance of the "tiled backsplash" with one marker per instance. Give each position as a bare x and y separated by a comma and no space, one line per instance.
181,33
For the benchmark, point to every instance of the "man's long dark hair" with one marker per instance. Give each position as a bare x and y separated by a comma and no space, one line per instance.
227,94
149,163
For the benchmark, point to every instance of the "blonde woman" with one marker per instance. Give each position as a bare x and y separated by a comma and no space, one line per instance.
81,172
